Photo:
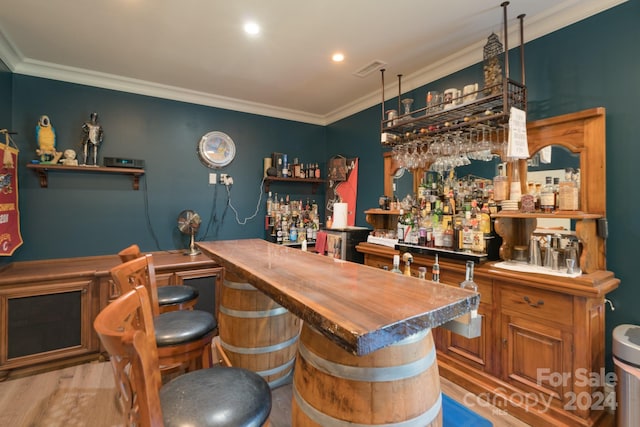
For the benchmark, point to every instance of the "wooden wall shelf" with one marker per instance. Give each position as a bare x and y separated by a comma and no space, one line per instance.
43,169
313,181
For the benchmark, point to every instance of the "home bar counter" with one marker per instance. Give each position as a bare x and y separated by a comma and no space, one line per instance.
366,341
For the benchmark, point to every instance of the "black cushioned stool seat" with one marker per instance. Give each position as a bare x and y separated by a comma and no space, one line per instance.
176,294
178,327
215,397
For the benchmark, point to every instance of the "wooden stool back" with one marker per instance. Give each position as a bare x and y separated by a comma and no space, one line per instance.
133,252
125,328
189,355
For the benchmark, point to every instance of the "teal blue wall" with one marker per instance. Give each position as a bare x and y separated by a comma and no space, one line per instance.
592,63
5,96
93,214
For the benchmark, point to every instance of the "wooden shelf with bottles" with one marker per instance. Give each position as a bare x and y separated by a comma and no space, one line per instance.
42,170
313,181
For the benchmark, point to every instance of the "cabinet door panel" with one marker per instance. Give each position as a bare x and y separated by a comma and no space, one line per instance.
207,282
537,357
45,320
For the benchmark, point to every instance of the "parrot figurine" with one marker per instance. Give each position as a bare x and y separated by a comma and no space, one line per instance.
46,139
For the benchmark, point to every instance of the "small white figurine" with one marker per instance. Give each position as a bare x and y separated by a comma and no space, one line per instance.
69,158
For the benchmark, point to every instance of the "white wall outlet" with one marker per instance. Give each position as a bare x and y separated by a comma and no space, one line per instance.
223,178
213,178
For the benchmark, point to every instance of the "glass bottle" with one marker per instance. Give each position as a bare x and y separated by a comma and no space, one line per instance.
515,191
556,193
269,204
547,196
400,227
396,265
469,284
435,270
500,189
407,267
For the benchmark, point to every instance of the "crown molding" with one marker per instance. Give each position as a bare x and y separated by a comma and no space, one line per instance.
64,73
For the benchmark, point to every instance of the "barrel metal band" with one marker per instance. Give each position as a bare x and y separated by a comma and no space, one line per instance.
259,350
368,374
285,379
240,286
246,314
277,369
424,419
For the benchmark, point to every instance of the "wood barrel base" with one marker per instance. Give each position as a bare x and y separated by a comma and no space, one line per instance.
397,385
256,333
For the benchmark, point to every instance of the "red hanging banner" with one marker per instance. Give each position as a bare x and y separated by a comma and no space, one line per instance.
10,238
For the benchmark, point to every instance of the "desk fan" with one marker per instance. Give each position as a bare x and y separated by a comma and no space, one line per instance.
189,223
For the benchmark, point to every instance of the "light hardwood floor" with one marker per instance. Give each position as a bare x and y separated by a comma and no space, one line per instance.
84,395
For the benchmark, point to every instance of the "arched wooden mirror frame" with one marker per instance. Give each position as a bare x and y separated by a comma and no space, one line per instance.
583,133
390,168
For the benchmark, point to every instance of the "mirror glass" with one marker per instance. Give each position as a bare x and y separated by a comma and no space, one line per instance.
552,161
403,183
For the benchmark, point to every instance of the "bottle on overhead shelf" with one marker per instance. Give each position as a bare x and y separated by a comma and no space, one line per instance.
316,171
469,284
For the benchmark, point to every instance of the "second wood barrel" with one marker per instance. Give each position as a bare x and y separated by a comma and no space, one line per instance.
397,385
256,333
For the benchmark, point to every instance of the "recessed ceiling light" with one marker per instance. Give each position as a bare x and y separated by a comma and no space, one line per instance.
338,57
251,28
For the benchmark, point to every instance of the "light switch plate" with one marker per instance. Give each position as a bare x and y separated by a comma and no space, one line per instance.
212,178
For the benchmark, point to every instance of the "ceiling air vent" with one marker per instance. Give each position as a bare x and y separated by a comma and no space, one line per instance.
374,65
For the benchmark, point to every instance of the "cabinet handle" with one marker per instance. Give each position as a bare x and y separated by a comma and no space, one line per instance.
540,303
504,343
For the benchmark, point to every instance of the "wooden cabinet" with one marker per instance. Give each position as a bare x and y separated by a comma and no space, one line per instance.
540,336
47,307
45,320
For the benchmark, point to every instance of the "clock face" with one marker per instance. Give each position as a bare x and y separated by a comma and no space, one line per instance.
216,149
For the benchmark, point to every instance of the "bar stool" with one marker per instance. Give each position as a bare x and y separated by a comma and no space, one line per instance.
183,337
170,298
214,397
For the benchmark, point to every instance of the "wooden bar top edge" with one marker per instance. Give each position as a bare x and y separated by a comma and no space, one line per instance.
360,308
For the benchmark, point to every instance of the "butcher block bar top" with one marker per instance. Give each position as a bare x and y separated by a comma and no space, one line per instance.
360,308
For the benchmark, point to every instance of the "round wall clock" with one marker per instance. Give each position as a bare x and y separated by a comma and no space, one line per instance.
216,149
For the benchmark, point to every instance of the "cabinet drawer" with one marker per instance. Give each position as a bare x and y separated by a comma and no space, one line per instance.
378,261
547,305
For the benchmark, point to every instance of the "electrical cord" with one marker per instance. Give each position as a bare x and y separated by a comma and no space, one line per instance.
148,217
244,221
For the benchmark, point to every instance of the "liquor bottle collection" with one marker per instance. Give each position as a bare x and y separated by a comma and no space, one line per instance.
452,214
455,213
291,221
284,168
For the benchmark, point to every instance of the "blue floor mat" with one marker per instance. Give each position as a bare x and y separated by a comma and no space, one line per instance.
456,415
